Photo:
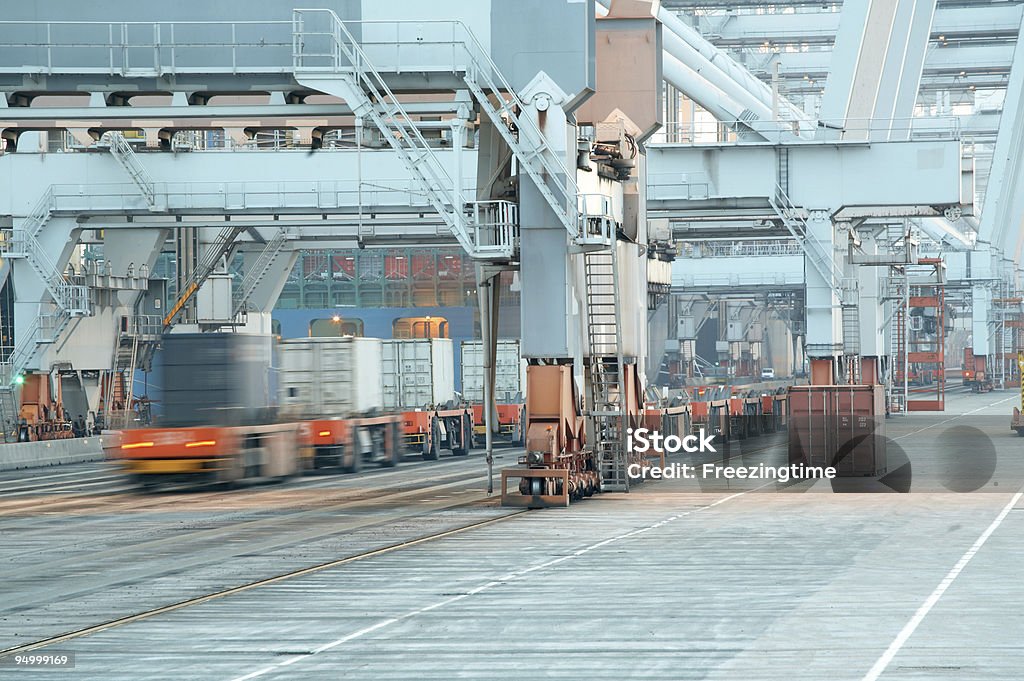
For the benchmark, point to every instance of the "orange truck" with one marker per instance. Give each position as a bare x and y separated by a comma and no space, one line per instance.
210,454
217,425
333,386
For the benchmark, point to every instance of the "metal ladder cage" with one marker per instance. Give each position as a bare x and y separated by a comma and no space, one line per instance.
496,228
607,368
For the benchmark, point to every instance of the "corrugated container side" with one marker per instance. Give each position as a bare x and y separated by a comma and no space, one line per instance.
367,375
838,425
326,377
509,371
417,373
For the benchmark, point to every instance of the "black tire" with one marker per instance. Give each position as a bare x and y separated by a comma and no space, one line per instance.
357,461
431,452
465,437
389,459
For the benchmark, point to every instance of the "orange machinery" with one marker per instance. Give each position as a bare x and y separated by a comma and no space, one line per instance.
428,431
210,454
349,443
41,416
556,466
511,418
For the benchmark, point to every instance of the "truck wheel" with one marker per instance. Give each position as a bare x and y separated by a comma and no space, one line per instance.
393,446
356,464
430,451
465,437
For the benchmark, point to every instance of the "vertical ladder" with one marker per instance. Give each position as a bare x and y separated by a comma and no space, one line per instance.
607,372
782,171
898,390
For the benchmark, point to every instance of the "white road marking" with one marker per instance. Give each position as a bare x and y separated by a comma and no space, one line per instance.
901,638
954,418
510,577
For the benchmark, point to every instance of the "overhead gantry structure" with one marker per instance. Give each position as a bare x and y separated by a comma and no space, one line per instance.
426,130
993,269
385,104
834,194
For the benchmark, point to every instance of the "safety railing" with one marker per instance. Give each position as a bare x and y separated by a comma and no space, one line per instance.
739,249
495,228
597,224
137,48
144,326
850,129
284,195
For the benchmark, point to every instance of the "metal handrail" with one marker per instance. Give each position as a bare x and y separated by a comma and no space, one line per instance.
920,127
495,227
461,37
119,43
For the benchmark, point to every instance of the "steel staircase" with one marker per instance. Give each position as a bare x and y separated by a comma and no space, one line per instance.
255,273
604,337
346,69
9,413
121,381
204,268
355,80
501,104
137,338
70,298
819,257
123,153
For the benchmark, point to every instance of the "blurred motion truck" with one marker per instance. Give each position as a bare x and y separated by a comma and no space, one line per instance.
333,385
217,423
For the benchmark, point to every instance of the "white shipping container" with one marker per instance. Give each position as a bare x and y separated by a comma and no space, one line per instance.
417,373
509,371
326,377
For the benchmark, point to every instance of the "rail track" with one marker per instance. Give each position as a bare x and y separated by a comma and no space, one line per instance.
215,557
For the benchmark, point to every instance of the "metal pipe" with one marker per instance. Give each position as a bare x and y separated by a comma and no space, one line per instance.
678,48
692,49
487,353
700,90
726,65
943,231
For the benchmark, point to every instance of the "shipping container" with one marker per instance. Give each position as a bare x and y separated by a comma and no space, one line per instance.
327,377
838,425
509,372
417,373
215,379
